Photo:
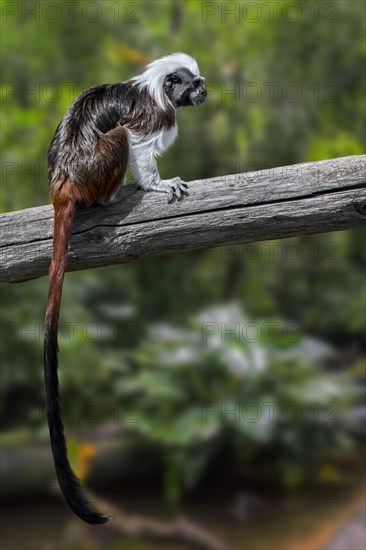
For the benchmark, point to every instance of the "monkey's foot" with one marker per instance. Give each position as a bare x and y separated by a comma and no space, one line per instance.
174,187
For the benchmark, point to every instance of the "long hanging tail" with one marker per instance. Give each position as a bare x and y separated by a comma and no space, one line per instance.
70,485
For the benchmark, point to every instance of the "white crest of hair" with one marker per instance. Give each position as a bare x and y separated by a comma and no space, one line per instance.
155,73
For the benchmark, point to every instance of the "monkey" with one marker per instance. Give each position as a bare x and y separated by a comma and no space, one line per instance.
107,129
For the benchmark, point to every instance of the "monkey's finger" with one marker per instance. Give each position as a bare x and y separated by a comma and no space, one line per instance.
170,195
184,193
177,192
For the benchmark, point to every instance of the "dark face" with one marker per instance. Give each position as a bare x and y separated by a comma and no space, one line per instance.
183,88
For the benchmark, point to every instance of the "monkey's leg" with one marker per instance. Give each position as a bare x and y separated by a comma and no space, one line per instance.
109,164
145,171
110,199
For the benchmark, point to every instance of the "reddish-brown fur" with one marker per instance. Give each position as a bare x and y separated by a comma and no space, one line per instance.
107,170
64,206
107,167
64,202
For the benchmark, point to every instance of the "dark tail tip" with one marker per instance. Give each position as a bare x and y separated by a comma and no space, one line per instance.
78,501
76,496
70,485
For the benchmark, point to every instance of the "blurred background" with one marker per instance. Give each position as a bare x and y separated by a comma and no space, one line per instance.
225,385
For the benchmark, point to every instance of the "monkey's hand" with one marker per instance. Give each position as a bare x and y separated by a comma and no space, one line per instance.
174,187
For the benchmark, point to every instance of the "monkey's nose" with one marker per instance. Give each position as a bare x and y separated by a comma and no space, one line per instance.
203,92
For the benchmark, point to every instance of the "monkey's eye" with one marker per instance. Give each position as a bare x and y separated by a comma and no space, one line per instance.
198,81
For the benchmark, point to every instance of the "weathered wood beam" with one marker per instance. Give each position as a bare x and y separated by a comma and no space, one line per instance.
280,202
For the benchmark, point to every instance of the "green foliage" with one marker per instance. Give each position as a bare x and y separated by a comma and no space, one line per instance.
45,66
202,390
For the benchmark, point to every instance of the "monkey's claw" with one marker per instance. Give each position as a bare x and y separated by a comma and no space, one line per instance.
174,187
177,188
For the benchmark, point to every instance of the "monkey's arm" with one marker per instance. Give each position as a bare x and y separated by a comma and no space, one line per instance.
144,169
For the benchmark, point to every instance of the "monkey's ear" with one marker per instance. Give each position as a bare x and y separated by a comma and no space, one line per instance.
170,81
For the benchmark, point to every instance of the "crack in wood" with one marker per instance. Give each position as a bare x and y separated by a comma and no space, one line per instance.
270,204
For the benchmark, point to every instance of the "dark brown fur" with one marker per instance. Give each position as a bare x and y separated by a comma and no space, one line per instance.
94,125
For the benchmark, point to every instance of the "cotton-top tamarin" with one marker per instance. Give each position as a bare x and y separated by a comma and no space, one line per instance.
107,129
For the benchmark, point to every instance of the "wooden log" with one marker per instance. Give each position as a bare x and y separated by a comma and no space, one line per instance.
268,204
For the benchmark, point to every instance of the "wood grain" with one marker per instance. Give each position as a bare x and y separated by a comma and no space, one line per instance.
280,202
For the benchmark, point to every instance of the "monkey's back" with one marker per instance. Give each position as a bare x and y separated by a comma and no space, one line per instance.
74,151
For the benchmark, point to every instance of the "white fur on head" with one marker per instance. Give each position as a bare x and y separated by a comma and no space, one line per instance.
154,75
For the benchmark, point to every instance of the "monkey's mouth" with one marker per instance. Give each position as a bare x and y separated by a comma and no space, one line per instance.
198,97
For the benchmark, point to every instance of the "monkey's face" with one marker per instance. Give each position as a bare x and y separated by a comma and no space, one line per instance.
183,88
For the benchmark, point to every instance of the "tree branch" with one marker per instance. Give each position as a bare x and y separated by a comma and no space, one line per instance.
280,202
